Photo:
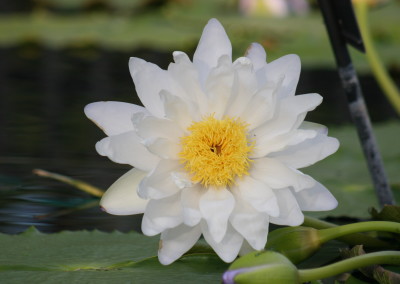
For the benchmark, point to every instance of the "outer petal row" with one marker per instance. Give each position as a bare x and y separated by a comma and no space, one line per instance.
121,198
126,148
113,117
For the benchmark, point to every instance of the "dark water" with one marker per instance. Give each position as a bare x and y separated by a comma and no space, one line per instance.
42,125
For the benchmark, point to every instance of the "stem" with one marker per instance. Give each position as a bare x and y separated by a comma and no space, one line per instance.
382,257
352,239
333,233
381,75
317,223
74,182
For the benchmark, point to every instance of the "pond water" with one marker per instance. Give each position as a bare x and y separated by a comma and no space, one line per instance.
42,96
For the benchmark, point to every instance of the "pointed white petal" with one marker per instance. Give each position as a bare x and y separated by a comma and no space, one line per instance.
286,67
190,203
246,248
317,198
260,108
252,225
266,145
278,175
259,195
244,87
215,206
228,248
289,114
257,55
219,87
160,183
290,212
147,87
184,72
163,148
151,127
125,148
319,128
113,117
213,44
162,214
177,110
308,152
176,241
121,198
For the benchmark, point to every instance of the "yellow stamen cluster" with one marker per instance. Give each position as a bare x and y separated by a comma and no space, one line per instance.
216,151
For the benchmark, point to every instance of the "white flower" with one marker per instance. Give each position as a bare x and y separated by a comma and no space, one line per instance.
216,149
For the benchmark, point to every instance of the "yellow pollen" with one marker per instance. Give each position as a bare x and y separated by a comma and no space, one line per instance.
216,151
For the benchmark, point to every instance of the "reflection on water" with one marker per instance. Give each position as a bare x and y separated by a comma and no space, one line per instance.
42,95
27,200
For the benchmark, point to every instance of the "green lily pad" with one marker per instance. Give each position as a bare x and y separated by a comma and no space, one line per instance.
98,257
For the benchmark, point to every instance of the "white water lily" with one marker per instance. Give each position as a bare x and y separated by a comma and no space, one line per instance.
216,149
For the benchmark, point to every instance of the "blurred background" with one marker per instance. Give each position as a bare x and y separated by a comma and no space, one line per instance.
56,56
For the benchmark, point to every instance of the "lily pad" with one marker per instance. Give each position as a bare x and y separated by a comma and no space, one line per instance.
97,257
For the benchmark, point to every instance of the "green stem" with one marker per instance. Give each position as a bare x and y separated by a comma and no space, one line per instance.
340,231
84,186
317,223
382,257
381,75
352,239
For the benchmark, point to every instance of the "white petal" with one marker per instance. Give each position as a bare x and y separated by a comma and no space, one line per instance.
190,203
252,225
246,248
125,148
178,111
213,44
317,198
186,75
265,145
113,117
260,108
259,195
121,198
162,214
215,206
151,127
175,242
149,80
219,87
309,152
319,128
243,88
286,67
288,116
163,148
290,212
160,183
278,175
229,247
257,55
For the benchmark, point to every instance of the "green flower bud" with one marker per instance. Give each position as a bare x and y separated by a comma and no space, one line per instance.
296,243
261,267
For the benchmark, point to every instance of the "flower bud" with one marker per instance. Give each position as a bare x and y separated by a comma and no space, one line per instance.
261,267
296,243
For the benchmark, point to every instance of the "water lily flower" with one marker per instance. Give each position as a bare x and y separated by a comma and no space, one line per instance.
216,149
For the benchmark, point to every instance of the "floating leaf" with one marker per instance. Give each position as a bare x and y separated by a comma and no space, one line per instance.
388,213
97,257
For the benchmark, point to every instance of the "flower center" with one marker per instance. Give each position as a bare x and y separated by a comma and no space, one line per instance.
216,151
